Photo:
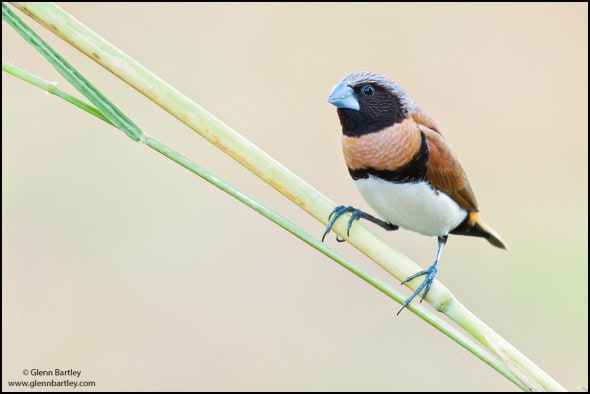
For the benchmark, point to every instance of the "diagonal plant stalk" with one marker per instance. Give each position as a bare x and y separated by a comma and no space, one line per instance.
96,97
64,25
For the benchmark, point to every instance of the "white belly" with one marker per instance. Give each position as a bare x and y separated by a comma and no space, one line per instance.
413,206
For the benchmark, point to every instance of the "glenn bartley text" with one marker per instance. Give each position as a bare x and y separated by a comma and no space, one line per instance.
55,372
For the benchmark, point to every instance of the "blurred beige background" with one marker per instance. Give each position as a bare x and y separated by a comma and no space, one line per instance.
123,265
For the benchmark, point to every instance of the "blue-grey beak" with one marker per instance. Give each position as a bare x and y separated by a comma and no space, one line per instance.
342,96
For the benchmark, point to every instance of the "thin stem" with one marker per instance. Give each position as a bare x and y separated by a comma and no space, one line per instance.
52,88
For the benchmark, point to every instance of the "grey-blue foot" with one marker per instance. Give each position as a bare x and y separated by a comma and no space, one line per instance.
355,214
425,285
430,273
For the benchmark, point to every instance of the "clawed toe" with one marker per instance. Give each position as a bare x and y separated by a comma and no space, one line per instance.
430,275
336,213
355,214
425,285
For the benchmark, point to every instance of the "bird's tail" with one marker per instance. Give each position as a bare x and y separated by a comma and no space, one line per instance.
474,226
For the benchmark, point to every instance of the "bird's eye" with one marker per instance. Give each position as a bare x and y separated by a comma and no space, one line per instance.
368,90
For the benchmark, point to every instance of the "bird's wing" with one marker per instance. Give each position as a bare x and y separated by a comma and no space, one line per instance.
444,172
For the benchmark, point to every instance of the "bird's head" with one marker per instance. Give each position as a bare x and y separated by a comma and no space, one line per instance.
368,102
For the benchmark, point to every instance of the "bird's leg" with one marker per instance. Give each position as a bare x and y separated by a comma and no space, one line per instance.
356,214
430,273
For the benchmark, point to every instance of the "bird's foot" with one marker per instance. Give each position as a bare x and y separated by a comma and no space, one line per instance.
356,214
425,285
340,210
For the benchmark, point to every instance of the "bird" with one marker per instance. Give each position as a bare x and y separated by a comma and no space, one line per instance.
403,167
